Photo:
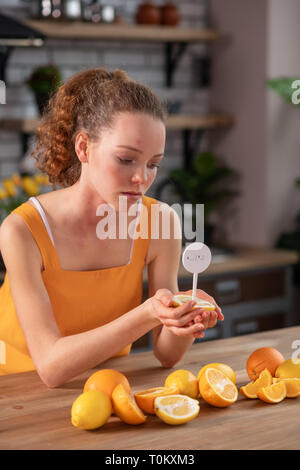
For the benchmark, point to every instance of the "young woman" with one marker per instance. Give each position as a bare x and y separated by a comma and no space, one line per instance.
72,299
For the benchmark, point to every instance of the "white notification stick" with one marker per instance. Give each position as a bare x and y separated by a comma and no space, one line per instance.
196,258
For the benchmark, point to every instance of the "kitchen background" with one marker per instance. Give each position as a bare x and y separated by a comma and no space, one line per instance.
228,117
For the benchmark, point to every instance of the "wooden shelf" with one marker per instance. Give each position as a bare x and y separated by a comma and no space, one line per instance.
120,31
194,121
174,122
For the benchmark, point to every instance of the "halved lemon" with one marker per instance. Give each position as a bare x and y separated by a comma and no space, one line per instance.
216,388
274,393
181,299
176,409
125,407
264,380
292,386
145,398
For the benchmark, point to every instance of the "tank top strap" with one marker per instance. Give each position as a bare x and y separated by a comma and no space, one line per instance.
34,222
144,229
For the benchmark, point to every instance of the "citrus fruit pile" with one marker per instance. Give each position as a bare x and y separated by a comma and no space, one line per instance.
272,377
108,391
176,402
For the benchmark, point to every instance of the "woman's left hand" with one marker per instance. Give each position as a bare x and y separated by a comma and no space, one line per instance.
206,318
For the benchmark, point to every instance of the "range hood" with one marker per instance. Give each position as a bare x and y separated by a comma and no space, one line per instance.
14,33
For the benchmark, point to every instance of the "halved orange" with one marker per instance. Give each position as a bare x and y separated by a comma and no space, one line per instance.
216,388
180,299
145,398
264,380
274,393
125,407
292,386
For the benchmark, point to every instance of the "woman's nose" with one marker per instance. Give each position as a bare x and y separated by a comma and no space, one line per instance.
140,176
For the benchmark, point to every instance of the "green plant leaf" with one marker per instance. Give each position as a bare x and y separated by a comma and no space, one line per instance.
283,86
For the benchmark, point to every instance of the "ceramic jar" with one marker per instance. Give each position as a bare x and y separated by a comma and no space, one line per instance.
170,14
148,13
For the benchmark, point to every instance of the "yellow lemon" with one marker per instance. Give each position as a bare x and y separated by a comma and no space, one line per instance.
176,409
91,410
184,381
288,369
227,370
292,386
180,299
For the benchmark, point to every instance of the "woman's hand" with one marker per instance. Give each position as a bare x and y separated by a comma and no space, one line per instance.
180,320
201,294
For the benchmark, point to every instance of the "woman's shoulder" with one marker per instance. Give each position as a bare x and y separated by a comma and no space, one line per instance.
16,238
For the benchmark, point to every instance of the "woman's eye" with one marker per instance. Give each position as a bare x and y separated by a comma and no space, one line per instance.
124,160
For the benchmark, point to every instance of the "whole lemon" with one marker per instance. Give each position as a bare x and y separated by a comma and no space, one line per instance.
184,381
288,369
91,410
227,370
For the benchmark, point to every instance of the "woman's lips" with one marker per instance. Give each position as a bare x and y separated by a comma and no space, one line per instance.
133,197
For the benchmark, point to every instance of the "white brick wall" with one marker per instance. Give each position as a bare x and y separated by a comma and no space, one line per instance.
144,62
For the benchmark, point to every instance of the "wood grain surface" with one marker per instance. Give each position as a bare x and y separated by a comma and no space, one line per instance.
35,417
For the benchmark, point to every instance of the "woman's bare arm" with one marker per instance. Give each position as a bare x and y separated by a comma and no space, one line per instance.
56,358
162,274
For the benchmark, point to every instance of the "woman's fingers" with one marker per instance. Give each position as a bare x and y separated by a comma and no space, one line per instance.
183,320
195,330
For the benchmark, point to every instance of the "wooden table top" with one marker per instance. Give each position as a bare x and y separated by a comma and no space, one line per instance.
35,417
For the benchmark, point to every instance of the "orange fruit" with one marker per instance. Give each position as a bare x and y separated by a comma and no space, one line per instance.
125,407
105,380
222,367
264,380
292,386
216,388
263,358
145,398
274,393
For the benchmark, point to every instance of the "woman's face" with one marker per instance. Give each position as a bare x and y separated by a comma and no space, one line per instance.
126,157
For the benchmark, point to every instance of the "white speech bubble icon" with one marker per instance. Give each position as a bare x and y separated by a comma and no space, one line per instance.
196,258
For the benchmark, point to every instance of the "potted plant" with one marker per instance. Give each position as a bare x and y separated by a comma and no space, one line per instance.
204,183
44,81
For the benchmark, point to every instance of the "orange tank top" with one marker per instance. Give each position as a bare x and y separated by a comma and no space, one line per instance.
81,300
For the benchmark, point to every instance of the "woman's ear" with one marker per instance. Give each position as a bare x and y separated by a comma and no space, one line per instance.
82,147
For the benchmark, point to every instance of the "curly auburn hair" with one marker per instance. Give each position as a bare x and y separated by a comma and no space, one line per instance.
88,101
